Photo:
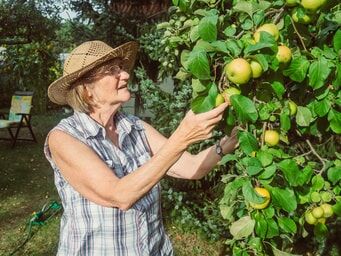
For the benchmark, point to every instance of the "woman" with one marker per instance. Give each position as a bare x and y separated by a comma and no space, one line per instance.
108,164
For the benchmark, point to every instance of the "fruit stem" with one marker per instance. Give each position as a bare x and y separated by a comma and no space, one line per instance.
298,34
317,155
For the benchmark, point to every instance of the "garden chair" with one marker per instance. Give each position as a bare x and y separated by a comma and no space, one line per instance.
19,117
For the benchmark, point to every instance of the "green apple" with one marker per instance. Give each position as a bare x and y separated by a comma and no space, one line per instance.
238,71
284,54
271,137
219,100
270,28
312,5
309,218
292,107
256,68
227,93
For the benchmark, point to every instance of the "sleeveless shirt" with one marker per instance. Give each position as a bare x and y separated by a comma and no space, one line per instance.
89,229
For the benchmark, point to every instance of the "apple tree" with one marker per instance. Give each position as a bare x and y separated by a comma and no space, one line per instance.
277,63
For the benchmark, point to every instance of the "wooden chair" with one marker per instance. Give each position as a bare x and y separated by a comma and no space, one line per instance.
19,117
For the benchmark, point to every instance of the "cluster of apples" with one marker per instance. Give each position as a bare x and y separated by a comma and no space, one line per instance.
319,214
240,70
306,14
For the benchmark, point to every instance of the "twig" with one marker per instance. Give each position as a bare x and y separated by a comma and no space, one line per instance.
239,35
278,15
298,34
317,155
263,133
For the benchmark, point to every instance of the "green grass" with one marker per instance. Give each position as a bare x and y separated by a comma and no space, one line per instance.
27,183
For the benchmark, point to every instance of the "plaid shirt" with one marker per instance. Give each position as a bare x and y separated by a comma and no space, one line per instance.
90,229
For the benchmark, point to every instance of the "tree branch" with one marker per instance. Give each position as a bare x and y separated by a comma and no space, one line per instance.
317,155
298,34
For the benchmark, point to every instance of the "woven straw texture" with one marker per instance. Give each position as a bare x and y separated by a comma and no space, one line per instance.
86,57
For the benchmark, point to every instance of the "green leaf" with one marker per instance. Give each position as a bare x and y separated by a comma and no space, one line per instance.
219,46
337,40
320,230
254,166
261,226
197,86
334,118
337,80
194,33
321,108
272,228
317,183
233,47
245,108
264,157
284,199
260,58
226,211
184,58
250,194
245,6
267,41
291,171
227,158
268,172
208,28
303,116
337,208
230,31
203,46
287,225
247,142
242,228
204,103
334,174
285,122
298,69
278,88
318,73
277,252
199,65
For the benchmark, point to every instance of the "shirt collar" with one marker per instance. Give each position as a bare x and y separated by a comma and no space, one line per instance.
124,124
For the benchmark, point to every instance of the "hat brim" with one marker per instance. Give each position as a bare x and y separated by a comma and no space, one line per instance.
57,90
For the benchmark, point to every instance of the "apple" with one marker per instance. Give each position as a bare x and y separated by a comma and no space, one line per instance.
284,54
219,100
291,3
306,19
238,71
256,68
270,28
312,5
309,218
227,93
327,210
271,137
292,107
263,192
317,212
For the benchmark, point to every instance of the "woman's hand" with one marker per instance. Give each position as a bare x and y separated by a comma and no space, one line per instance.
229,144
197,127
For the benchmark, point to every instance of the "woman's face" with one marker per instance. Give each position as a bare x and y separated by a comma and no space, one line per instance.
111,90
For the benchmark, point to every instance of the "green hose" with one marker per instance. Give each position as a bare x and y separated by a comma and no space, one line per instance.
39,219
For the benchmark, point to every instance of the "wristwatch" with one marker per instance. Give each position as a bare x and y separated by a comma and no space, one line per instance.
219,149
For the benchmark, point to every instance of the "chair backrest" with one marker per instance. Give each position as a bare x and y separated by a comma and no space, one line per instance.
21,103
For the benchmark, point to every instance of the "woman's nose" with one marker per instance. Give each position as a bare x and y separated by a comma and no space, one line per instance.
124,75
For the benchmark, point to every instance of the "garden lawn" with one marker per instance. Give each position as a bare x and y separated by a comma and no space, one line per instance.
26,185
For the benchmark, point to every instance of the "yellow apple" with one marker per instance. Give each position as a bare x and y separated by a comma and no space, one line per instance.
291,3
256,68
317,212
312,5
238,71
309,218
292,107
271,137
227,93
327,210
263,193
270,28
284,54
219,100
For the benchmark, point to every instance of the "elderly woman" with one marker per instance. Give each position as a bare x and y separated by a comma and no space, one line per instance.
108,164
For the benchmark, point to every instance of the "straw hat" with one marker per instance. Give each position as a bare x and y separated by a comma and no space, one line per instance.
86,57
